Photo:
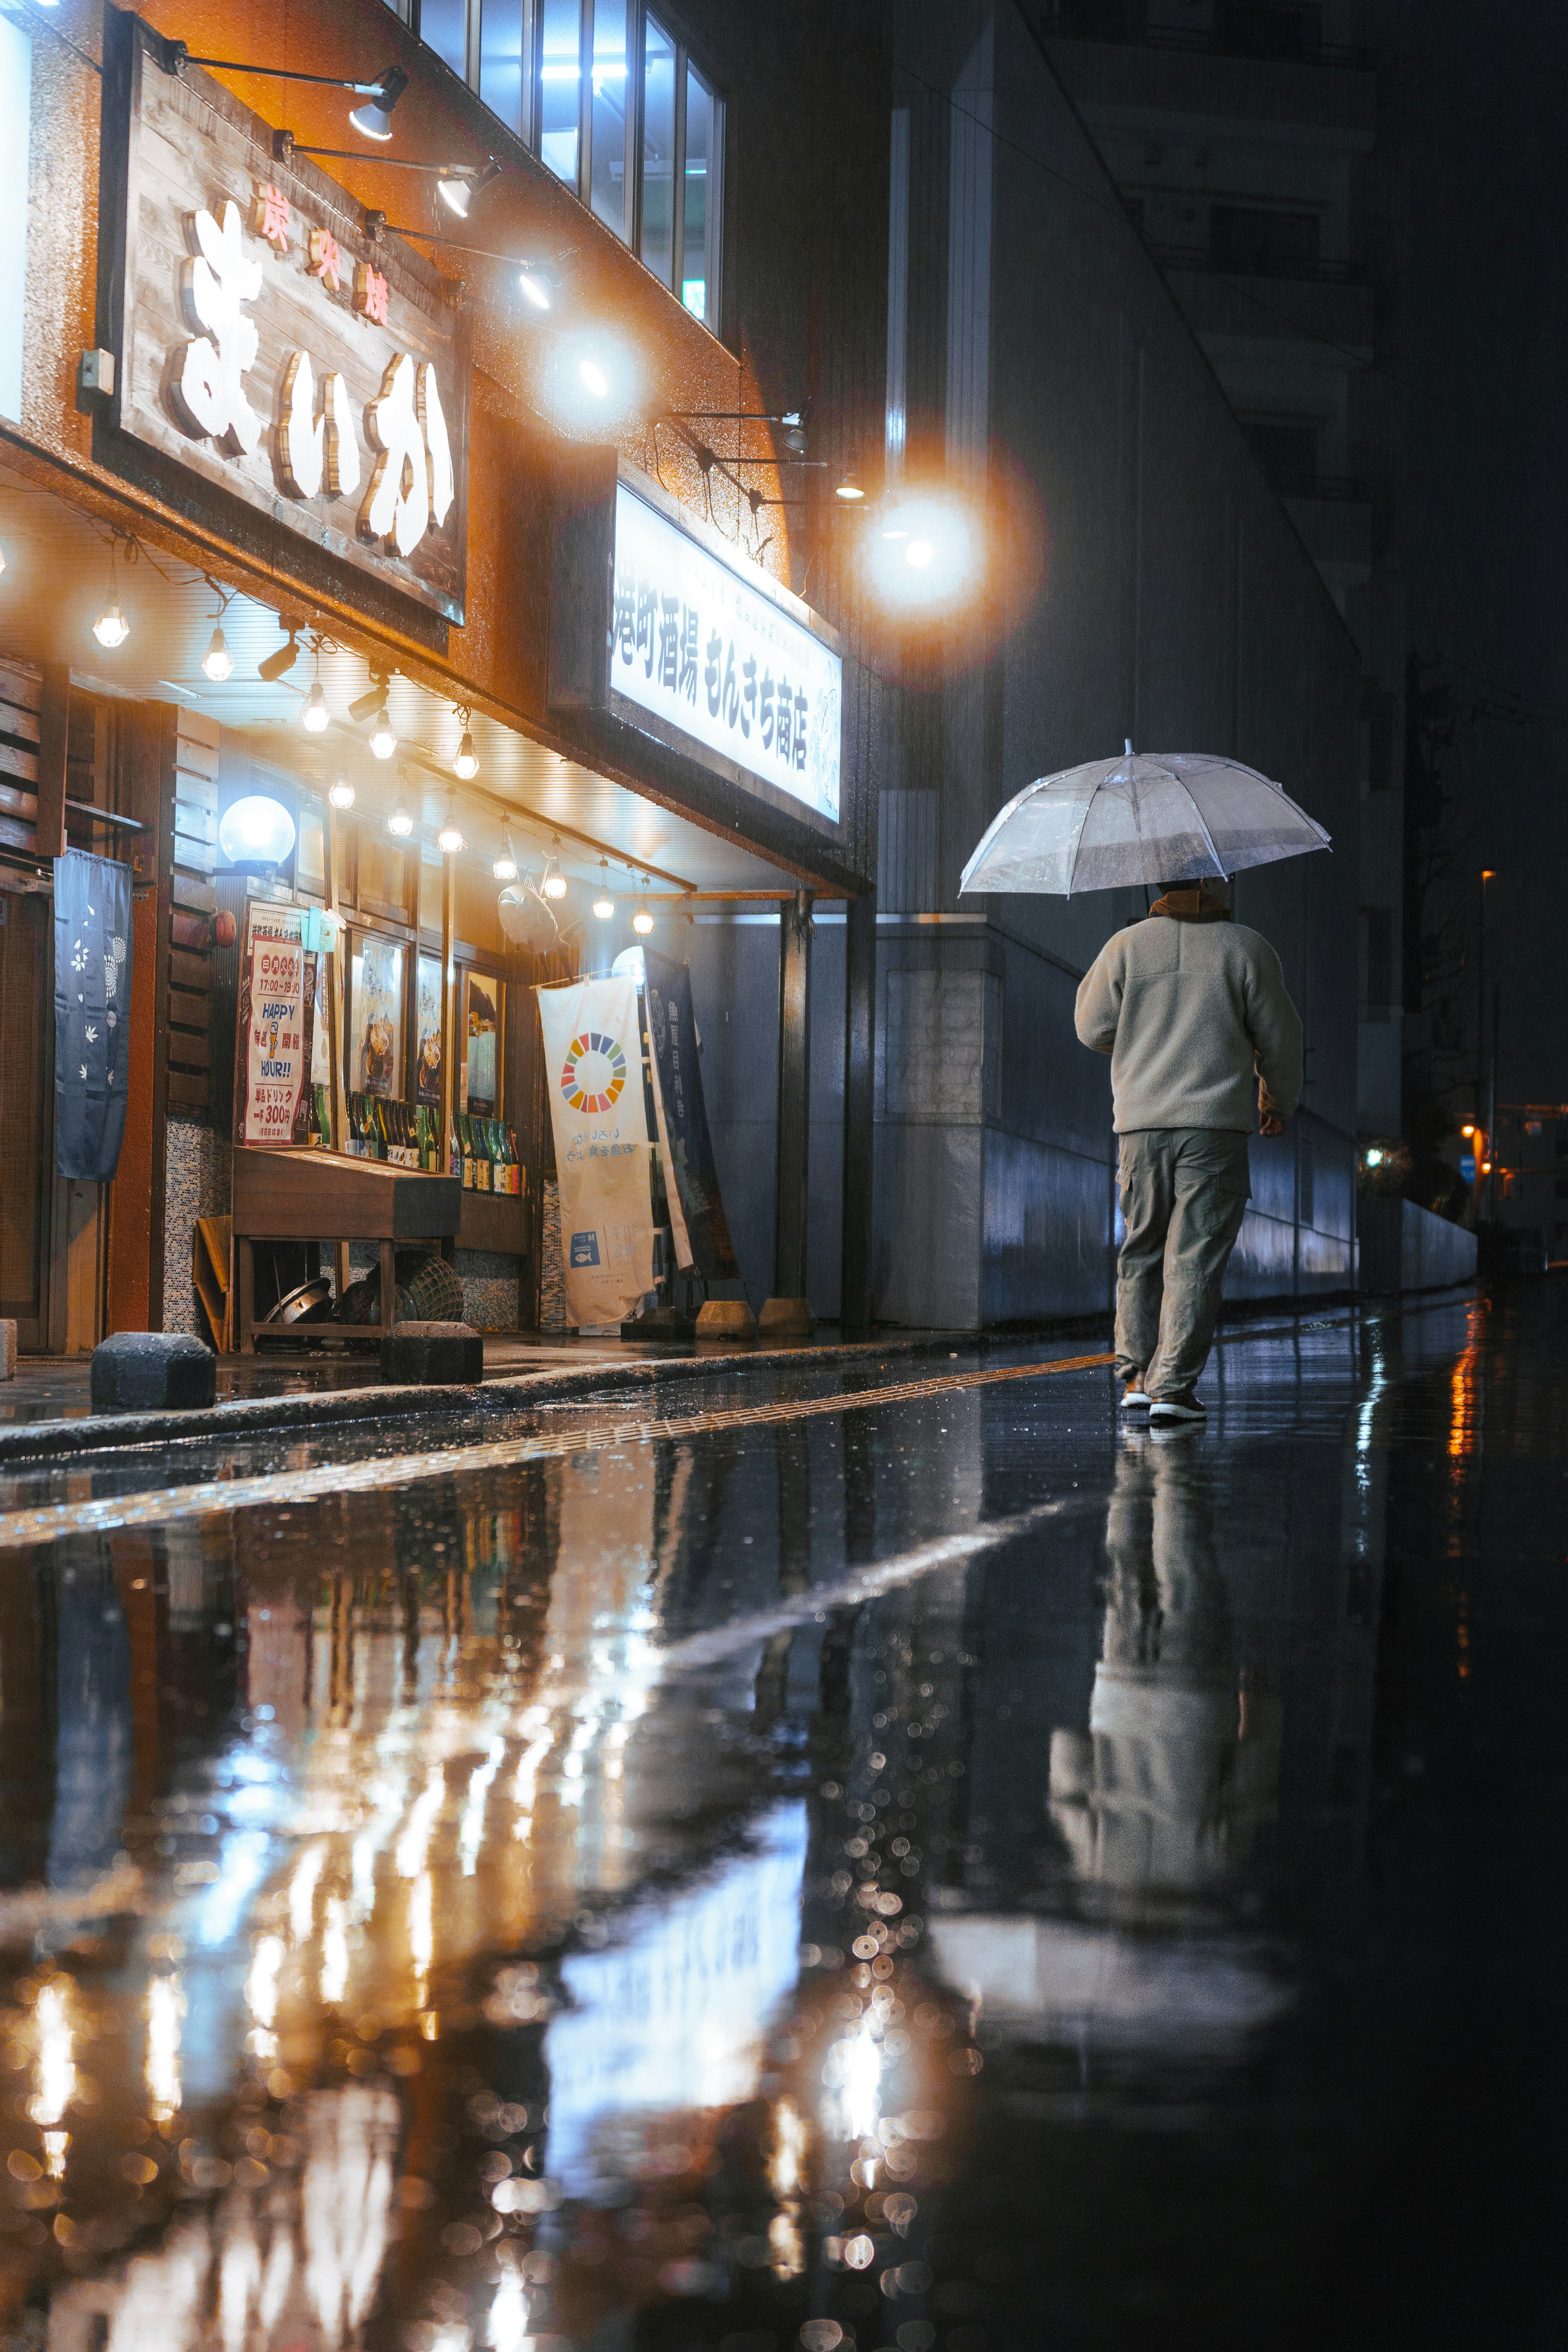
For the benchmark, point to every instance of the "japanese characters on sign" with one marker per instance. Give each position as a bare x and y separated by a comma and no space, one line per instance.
327,385
715,655
277,993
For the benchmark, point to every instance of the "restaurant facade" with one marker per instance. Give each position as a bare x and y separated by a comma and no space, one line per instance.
424,579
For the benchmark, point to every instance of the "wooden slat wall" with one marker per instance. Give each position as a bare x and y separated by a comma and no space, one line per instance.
20,689
188,950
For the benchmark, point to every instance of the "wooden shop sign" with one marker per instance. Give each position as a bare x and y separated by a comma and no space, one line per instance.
266,341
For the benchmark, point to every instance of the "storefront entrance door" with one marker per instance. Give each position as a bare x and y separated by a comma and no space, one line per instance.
27,1002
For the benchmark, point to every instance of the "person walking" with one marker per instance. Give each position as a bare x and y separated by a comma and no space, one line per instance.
1193,1011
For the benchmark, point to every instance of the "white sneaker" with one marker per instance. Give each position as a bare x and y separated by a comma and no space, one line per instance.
1186,1408
1133,1397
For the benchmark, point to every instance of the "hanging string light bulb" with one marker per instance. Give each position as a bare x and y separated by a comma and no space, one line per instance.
341,794
111,628
466,764
604,904
315,715
450,838
554,883
383,741
642,914
505,868
400,822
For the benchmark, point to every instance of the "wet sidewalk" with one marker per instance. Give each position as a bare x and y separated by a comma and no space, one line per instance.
872,1856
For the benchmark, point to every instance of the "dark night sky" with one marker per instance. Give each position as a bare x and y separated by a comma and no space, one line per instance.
1488,332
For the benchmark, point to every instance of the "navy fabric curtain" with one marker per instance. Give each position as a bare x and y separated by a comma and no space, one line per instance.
673,1034
92,1012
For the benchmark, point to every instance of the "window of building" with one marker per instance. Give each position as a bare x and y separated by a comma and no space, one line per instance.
1287,449
608,97
1262,242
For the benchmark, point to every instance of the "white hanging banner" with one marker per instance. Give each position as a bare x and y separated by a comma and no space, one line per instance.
594,1063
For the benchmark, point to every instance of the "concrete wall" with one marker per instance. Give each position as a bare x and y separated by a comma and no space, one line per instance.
1049,368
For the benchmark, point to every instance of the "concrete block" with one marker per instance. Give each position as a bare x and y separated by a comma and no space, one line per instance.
7,1349
786,1319
726,1319
153,1372
414,1353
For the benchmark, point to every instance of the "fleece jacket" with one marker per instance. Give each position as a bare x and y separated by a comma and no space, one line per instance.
1195,1016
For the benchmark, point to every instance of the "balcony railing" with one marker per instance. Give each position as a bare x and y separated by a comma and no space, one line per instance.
1309,269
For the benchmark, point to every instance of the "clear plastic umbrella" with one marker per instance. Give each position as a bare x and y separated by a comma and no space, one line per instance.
1167,816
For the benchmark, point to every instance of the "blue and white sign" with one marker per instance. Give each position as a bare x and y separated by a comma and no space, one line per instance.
15,125
724,660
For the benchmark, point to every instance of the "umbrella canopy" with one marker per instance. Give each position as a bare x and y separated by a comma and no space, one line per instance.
1169,816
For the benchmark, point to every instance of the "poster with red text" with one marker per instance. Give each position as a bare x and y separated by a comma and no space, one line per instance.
276,1008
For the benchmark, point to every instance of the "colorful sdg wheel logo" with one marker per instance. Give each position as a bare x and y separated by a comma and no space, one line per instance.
594,1073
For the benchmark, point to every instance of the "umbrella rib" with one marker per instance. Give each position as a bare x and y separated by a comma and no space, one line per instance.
1209,837
1078,836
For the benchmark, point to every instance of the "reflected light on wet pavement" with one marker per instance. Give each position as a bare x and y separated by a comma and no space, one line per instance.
943,1872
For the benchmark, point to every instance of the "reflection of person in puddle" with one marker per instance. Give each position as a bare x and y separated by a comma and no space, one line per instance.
1179,1769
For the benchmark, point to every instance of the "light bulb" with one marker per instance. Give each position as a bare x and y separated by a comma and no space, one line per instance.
535,289
505,868
449,837
466,764
400,822
341,794
456,195
555,884
594,377
383,742
2,558
314,715
849,489
642,920
604,904
111,628
217,661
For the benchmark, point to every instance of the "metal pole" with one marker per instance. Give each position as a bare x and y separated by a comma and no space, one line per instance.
859,1110
794,1130
1491,1098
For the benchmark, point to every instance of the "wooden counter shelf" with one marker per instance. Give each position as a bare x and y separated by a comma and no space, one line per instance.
497,1222
320,1196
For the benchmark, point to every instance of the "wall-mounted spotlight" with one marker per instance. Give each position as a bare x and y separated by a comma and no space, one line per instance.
534,286
505,868
849,489
277,663
460,188
373,121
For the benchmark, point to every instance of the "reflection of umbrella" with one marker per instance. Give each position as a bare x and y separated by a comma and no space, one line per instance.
1172,816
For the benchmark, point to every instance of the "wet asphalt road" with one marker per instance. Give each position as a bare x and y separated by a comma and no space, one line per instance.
929,1870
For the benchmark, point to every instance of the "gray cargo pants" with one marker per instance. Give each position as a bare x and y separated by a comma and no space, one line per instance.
1184,1190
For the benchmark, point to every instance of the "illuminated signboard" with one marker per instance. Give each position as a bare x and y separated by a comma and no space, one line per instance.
265,341
709,647
659,622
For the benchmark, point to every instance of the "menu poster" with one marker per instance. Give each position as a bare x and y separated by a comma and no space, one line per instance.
276,1004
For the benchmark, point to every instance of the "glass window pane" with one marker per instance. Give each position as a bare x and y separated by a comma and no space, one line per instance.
482,1044
443,28
502,83
658,150
560,73
700,254
427,1067
613,20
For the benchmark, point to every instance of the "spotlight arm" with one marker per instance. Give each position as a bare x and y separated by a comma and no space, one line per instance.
174,56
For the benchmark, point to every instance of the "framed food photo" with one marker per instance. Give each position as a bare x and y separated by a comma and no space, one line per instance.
376,1012
481,1030
427,1033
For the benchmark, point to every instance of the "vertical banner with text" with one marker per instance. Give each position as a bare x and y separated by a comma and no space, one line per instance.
691,1179
593,1062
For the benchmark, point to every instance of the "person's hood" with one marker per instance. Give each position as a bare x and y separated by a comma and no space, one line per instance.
1193,903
